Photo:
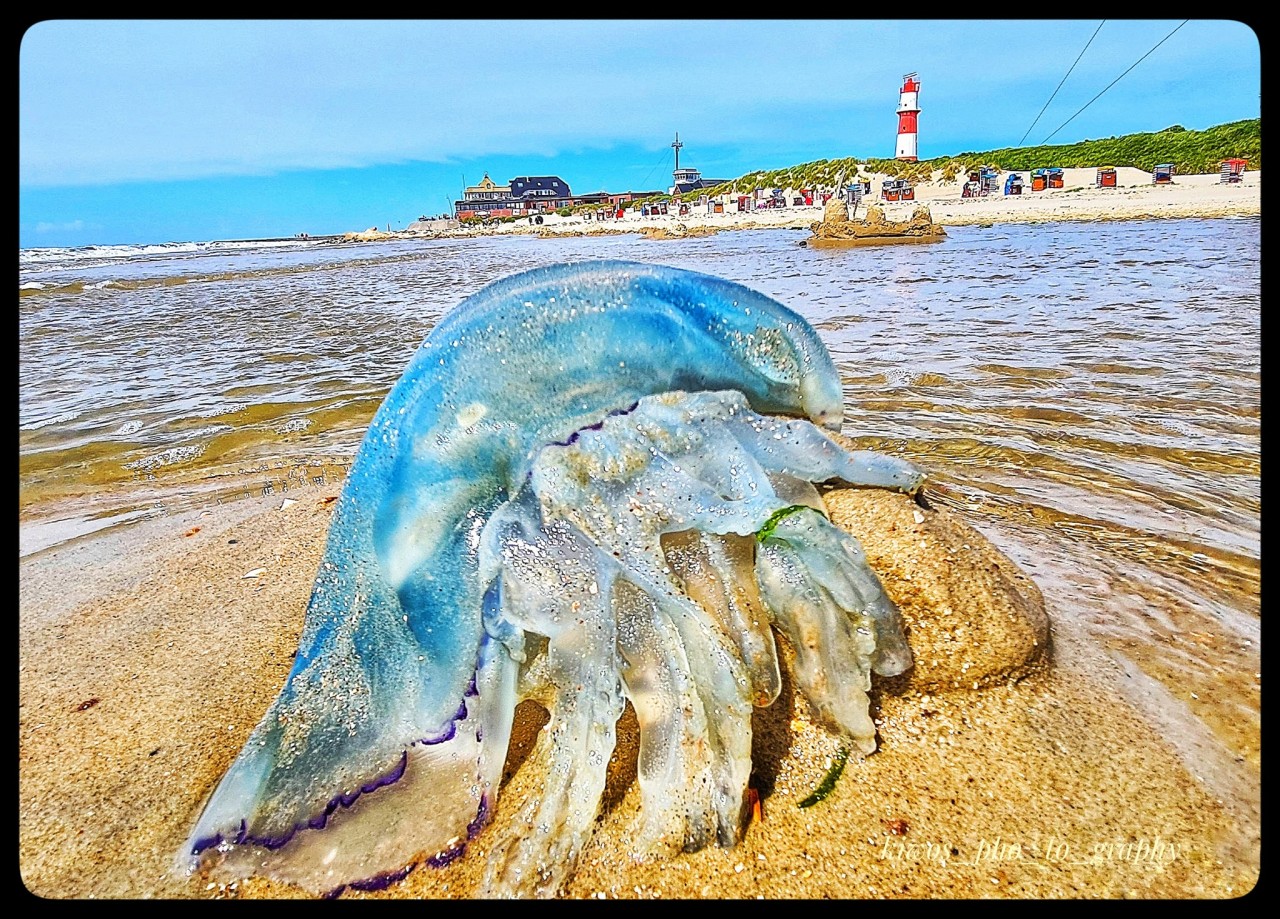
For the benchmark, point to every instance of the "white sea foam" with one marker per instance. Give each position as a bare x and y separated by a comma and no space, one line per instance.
62,257
45,422
167,457
228,409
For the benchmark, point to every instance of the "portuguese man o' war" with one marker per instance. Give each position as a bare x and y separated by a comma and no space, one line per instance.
594,484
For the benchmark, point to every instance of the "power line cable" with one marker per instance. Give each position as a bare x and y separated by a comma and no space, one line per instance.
1115,81
1064,79
660,161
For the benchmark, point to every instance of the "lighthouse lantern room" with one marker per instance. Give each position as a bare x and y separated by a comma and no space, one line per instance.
908,111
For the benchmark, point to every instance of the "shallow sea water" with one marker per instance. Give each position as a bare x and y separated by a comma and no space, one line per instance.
1088,395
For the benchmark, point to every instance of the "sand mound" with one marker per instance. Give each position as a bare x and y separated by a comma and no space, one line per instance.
972,617
679,231
836,227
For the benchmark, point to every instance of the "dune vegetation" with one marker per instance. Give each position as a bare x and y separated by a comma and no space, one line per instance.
1191,152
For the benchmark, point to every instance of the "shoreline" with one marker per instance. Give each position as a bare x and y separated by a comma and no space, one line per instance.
1133,198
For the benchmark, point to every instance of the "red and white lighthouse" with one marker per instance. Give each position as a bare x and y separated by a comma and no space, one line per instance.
908,110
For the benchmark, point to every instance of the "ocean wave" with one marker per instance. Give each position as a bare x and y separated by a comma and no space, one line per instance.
36,288
65,257
45,422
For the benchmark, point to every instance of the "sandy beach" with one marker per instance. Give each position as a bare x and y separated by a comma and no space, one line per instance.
1000,772
1009,764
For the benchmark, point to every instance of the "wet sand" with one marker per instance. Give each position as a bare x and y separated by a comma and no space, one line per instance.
148,653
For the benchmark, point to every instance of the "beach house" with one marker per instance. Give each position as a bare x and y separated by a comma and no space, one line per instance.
688,179
522,196
540,194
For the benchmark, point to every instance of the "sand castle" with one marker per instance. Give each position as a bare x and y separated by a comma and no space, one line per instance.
837,229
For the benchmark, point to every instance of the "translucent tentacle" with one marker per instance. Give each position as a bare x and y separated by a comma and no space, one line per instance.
554,585
722,684
802,450
713,711
834,634
834,559
623,486
576,745
717,573
792,491
685,787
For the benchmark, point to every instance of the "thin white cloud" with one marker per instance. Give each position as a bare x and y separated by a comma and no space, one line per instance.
72,226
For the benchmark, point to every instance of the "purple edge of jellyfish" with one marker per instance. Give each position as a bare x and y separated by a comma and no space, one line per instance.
439,860
573,438
345,799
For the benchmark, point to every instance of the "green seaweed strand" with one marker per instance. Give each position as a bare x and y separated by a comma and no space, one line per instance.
828,783
776,517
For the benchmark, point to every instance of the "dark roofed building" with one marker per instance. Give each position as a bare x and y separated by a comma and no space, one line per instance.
539,187
684,180
521,196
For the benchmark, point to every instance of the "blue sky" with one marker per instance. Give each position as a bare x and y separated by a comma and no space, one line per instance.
137,131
